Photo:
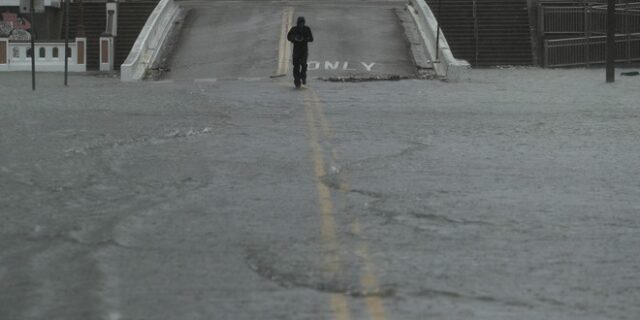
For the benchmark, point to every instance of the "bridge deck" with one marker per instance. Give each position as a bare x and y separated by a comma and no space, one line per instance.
243,39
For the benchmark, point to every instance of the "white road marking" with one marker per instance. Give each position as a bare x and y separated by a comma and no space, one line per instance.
213,80
313,65
340,65
368,66
249,78
207,80
329,65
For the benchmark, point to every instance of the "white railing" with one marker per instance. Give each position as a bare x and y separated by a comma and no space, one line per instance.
49,56
446,65
151,41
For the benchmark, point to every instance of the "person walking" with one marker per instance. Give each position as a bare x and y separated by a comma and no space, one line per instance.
300,36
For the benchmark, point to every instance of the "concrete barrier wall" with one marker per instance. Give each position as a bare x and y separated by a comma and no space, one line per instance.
151,40
49,56
446,65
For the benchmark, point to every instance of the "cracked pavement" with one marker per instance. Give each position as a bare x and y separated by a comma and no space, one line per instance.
511,195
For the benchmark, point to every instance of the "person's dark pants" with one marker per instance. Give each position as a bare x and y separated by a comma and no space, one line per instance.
300,72
300,69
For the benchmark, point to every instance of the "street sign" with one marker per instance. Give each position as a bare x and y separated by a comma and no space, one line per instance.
25,6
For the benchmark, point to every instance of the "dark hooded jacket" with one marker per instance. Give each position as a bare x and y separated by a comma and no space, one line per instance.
300,35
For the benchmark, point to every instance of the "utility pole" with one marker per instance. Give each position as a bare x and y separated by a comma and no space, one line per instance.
611,41
33,47
66,41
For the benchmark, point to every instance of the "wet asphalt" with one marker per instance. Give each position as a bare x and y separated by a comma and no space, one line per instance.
241,39
510,195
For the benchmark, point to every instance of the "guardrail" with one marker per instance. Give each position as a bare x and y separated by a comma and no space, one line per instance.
151,41
590,50
446,65
16,55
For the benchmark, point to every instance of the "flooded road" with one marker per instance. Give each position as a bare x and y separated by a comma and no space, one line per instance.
221,193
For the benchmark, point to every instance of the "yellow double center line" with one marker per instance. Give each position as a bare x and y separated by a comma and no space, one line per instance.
316,123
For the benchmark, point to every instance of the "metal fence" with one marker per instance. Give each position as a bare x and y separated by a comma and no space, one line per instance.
590,50
587,19
573,34
627,17
562,20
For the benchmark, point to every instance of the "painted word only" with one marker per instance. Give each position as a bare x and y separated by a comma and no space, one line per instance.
340,65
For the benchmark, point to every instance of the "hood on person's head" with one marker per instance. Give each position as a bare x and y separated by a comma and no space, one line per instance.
300,21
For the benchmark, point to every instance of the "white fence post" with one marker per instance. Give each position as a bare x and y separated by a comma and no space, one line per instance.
106,53
81,53
112,18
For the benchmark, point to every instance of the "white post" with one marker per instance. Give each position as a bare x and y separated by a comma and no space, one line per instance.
81,53
112,11
106,53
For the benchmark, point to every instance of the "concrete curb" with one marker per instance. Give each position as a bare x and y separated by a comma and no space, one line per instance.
151,40
448,66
